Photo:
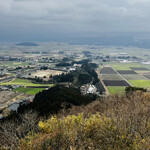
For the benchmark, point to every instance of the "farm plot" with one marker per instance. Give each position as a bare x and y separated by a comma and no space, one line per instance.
147,76
107,70
10,96
124,66
143,72
6,96
116,90
24,82
46,73
32,91
140,83
139,68
13,63
126,72
134,77
111,77
100,87
116,83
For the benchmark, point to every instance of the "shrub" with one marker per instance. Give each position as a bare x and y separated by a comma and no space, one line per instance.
76,132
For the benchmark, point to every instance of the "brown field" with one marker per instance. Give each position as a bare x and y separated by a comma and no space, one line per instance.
10,96
47,73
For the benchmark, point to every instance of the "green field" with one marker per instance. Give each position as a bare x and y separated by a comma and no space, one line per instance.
140,83
13,63
24,82
31,91
116,90
124,66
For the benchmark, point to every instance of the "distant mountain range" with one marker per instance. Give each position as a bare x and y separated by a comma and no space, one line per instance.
112,41
27,44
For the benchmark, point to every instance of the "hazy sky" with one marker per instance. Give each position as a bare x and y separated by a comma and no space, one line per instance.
37,19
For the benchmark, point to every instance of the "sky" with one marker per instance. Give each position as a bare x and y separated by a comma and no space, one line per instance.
47,19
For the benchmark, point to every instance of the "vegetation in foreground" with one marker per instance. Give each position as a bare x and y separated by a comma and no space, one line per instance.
114,123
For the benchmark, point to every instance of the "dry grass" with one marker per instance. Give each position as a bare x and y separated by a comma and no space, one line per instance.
47,73
121,123
113,123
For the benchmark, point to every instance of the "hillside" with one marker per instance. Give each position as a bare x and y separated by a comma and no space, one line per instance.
115,123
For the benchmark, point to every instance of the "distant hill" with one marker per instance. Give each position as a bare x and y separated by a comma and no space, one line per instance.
27,44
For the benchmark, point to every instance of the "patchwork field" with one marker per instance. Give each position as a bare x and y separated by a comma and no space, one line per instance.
129,74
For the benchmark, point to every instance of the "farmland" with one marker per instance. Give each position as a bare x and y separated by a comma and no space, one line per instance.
115,83
13,63
117,76
140,83
126,72
111,77
23,82
139,68
31,91
46,73
100,87
116,90
107,70
147,76
133,77
124,66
